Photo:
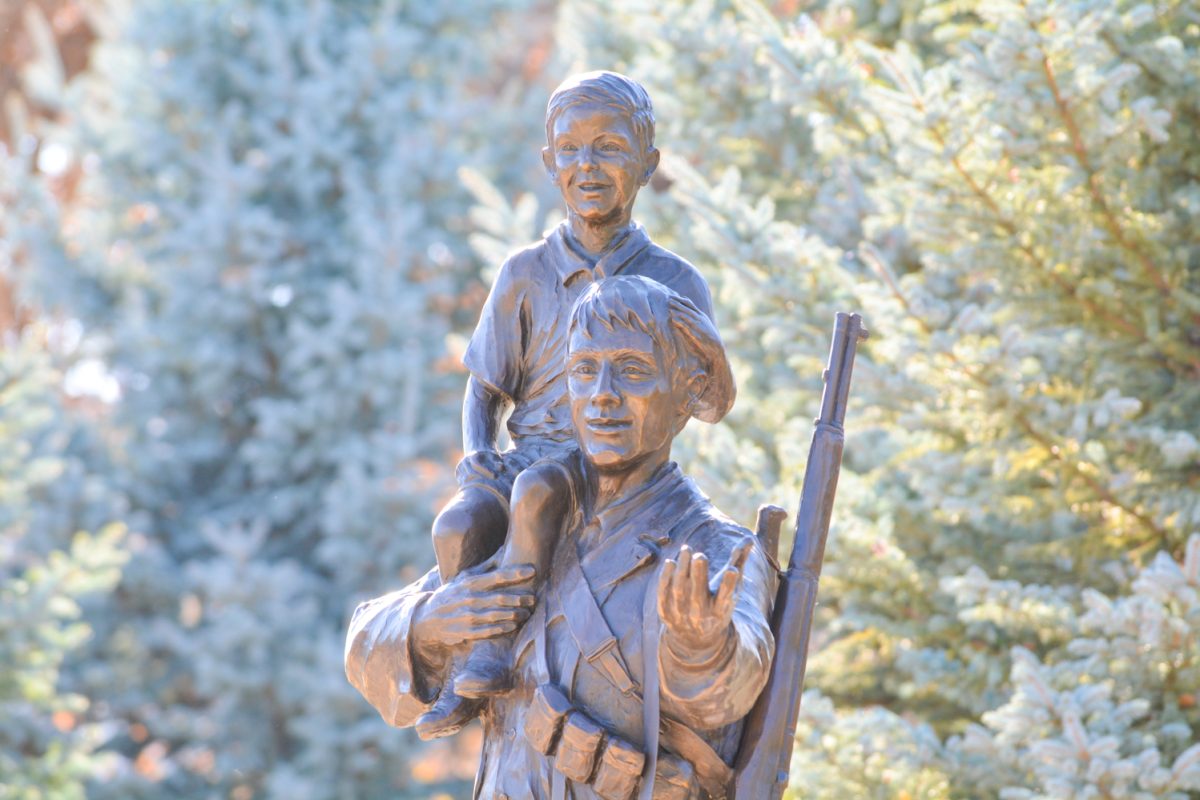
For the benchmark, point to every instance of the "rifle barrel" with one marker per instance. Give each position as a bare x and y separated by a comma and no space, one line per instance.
761,768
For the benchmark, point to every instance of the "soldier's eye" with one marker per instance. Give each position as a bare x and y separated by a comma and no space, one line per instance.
584,369
567,148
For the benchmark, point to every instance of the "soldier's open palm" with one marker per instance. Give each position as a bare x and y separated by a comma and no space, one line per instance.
696,616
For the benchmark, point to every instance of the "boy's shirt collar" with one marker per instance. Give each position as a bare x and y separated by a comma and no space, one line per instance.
572,261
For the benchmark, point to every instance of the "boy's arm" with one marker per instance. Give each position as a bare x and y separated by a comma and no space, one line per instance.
484,408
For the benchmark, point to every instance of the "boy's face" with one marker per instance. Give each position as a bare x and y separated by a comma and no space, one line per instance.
596,161
625,399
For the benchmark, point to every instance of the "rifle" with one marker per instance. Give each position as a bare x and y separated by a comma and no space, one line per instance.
761,769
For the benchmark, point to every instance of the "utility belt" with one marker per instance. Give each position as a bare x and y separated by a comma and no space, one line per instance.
587,753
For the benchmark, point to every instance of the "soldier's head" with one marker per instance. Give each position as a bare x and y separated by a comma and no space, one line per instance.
600,143
641,361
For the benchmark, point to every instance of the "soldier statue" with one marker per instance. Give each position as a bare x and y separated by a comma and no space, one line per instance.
607,625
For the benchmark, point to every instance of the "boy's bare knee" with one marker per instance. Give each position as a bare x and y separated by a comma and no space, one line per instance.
537,488
452,524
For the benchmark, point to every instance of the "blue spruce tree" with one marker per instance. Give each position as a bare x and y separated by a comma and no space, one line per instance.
266,251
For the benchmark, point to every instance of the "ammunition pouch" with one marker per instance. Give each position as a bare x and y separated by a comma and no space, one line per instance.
674,779
544,720
620,770
579,747
586,753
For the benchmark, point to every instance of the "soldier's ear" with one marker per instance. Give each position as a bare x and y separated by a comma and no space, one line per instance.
697,383
651,161
548,160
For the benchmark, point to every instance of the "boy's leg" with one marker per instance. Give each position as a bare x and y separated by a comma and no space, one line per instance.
540,501
469,529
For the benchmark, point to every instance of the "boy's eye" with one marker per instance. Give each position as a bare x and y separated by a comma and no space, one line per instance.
634,371
610,148
567,148
584,369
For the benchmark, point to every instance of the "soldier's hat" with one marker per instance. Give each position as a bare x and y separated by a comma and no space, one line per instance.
676,325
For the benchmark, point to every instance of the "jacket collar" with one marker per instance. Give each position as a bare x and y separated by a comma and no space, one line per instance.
632,532
571,260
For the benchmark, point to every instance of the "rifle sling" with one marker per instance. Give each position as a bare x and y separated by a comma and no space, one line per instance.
588,627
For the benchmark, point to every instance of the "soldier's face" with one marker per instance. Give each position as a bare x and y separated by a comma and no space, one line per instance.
623,404
596,161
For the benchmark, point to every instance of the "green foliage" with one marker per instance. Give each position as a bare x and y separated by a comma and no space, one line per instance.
47,743
269,258
264,251
1007,192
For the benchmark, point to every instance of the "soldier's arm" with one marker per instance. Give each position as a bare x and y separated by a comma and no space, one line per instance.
380,661
715,686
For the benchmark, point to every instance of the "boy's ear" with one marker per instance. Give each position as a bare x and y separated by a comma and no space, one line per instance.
548,160
652,157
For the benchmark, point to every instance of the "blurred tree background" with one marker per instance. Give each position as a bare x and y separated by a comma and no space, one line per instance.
243,240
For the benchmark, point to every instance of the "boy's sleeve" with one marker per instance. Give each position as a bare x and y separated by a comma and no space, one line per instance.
692,285
494,354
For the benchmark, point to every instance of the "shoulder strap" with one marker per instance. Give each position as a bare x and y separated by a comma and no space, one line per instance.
588,627
650,698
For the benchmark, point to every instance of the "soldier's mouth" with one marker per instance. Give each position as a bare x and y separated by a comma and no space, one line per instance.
592,187
608,424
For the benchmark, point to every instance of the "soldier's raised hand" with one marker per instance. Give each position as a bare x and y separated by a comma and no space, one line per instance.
695,614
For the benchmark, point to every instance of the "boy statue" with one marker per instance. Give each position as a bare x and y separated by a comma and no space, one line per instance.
599,152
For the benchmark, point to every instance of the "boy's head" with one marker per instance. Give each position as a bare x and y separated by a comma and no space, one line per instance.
600,143
684,339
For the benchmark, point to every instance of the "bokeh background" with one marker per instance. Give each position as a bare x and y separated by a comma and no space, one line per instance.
243,242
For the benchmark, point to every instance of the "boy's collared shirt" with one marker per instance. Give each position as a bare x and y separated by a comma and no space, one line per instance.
520,344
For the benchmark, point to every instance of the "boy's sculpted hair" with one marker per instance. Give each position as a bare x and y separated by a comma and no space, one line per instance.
684,335
604,88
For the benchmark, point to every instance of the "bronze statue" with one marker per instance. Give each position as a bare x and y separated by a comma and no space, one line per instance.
610,628
635,641
599,152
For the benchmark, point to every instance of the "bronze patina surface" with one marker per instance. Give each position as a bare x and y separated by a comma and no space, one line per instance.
608,626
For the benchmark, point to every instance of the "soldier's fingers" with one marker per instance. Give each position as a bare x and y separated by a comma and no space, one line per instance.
501,615
486,631
699,580
519,599
683,579
723,605
504,576
739,557
480,600
666,590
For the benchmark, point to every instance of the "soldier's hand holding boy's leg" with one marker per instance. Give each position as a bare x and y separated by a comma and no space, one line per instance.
474,605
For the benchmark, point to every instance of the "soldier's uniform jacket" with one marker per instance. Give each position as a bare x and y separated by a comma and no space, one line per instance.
615,557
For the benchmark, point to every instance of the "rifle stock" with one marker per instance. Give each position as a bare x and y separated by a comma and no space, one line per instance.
761,769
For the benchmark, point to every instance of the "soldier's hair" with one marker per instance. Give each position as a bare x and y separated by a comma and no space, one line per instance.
605,88
683,333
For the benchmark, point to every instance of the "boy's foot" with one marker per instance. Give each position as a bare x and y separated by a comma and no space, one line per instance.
485,674
449,713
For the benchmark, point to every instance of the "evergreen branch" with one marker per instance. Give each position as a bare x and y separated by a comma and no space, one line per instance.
1000,219
1054,451
1082,157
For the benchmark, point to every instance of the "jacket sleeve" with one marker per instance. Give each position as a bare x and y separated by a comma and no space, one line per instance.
711,689
380,661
